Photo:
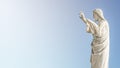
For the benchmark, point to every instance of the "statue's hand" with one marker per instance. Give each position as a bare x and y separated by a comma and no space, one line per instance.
82,16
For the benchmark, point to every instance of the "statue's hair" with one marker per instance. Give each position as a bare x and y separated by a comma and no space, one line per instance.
99,12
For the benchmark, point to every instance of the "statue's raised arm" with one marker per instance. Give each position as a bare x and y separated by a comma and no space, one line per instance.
89,23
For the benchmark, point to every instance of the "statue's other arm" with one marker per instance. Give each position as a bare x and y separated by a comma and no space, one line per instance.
87,21
93,27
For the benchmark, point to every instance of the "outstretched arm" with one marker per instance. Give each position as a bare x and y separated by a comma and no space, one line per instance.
92,27
85,20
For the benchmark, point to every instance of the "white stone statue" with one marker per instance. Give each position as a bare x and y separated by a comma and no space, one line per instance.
100,43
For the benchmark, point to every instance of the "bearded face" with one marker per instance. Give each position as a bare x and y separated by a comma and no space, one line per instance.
95,16
98,15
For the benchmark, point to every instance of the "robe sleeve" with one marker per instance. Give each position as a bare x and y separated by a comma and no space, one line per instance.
91,27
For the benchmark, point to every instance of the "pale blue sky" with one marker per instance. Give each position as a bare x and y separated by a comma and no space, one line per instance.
49,33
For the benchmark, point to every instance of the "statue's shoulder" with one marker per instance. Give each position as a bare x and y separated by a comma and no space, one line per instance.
106,22
103,21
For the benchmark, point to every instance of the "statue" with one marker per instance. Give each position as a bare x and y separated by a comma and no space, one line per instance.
100,42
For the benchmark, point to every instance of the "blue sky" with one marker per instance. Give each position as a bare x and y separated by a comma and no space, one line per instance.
49,33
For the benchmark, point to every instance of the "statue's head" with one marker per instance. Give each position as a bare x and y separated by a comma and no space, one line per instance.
98,14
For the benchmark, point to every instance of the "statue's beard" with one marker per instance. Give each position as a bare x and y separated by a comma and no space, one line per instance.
96,21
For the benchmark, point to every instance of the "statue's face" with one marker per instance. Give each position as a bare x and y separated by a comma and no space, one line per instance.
95,16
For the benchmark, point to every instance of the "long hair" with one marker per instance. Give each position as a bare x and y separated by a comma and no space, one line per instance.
99,12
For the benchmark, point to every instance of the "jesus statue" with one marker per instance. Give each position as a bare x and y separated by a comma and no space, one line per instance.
100,43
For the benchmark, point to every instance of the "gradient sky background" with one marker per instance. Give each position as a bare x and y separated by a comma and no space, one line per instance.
49,33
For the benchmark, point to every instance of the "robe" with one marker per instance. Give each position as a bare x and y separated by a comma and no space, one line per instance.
100,43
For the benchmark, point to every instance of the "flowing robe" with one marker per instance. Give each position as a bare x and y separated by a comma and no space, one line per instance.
100,43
